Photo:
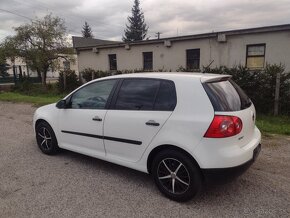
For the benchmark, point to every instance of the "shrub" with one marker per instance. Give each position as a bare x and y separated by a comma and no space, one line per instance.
260,85
72,81
88,74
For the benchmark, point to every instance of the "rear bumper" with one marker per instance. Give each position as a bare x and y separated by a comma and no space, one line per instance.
223,175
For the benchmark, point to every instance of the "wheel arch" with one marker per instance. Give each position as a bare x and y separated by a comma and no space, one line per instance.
160,148
38,121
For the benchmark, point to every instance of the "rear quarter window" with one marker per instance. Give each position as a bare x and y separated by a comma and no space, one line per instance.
227,96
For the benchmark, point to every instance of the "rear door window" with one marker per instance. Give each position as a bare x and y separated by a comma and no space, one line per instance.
227,96
146,94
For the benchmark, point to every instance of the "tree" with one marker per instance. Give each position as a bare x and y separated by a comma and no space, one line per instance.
137,28
87,31
40,44
3,65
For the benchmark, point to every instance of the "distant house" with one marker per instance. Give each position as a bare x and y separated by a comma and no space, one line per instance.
252,48
21,67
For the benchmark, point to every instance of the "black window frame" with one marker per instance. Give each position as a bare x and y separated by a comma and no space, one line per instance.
66,65
146,62
188,59
253,56
117,90
113,65
109,100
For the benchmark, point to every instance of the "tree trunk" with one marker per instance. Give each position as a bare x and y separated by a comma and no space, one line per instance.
64,80
14,74
39,74
20,73
43,78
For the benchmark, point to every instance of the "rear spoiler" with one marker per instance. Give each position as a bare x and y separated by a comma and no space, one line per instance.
214,78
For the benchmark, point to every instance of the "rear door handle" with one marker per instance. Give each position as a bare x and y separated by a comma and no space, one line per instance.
152,123
97,118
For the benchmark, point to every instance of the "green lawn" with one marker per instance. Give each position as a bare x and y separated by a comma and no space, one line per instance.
274,125
37,100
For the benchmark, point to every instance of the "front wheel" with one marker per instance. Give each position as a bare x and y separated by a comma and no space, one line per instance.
46,139
176,175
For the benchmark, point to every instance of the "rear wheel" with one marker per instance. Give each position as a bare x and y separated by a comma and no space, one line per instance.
46,139
176,175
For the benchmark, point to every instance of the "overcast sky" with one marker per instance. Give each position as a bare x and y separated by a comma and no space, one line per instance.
170,17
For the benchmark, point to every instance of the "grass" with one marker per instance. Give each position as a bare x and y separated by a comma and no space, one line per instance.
37,100
273,124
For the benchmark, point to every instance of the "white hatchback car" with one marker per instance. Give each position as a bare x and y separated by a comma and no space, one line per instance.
185,129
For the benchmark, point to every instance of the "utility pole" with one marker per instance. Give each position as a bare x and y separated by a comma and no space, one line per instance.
158,35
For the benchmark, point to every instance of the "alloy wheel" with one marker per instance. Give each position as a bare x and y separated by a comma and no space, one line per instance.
173,176
44,138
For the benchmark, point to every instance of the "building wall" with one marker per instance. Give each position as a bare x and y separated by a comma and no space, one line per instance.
50,74
229,53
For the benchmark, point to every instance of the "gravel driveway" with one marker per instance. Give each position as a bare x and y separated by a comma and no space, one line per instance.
72,185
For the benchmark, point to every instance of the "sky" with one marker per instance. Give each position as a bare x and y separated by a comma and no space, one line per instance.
107,18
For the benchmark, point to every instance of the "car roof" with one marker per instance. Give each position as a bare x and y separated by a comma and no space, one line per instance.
204,77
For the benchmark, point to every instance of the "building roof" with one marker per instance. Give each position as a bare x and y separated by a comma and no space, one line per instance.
81,43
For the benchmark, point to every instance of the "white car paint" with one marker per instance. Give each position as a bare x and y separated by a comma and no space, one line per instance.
183,128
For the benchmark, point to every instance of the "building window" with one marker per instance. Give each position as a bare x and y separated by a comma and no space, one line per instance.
255,56
147,61
113,61
66,65
192,59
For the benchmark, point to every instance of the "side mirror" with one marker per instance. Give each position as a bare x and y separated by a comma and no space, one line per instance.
61,104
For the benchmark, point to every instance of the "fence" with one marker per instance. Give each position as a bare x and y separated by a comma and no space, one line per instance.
17,79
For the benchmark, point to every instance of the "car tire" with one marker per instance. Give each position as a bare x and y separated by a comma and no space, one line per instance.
46,139
176,175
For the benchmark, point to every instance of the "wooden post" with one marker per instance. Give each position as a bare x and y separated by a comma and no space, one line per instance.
277,93
64,80
93,75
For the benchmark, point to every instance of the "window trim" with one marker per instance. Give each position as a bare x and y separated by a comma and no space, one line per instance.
109,101
264,55
109,56
186,59
143,53
118,88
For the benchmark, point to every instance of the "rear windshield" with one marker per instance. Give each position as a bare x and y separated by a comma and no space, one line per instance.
227,96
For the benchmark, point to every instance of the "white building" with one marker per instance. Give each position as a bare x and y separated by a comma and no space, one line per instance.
248,47
21,67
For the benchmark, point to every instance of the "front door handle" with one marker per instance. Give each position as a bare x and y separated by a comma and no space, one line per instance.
152,123
97,118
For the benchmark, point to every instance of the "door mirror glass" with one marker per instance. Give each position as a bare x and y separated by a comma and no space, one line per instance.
61,104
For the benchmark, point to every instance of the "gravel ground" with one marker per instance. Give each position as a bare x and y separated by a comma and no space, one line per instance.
72,185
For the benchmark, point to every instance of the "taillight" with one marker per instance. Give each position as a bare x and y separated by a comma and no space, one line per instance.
224,126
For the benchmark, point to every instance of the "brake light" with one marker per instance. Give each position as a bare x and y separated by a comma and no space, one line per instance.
224,126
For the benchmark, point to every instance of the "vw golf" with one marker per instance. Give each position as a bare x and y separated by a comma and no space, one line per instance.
185,129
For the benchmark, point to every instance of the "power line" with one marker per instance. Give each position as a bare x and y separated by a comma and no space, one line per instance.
11,12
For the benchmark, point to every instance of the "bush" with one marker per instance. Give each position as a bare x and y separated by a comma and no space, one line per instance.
260,85
28,87
72,81
88,74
